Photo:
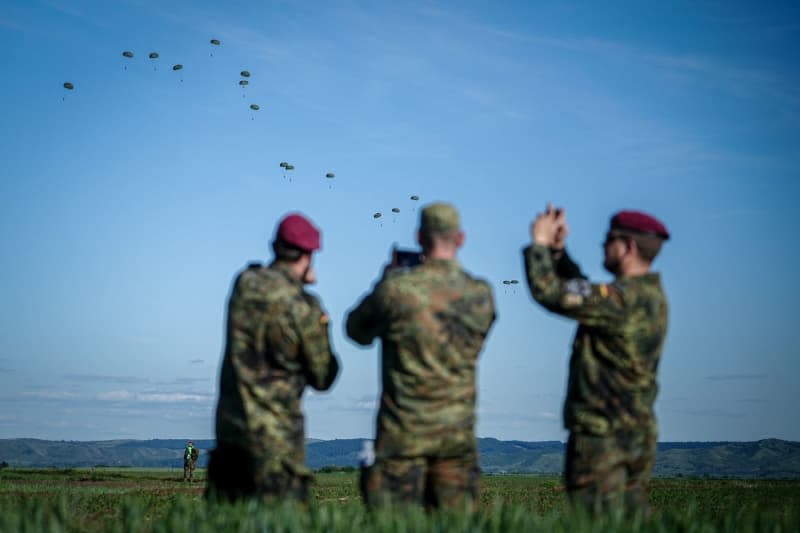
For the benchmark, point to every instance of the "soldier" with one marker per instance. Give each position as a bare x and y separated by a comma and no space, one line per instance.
612,379
190,455
277,343
432,320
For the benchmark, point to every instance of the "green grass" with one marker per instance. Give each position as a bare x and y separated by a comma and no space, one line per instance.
142,500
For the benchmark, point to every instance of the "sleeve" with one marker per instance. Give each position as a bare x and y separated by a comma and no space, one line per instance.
564,266
319,363
594,305
365,322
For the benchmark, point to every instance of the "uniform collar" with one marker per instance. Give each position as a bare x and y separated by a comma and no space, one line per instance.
445,264
651,278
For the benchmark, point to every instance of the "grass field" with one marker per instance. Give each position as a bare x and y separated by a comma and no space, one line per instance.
157,500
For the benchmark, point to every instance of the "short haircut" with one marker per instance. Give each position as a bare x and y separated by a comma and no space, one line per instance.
648,244
427,239
285,251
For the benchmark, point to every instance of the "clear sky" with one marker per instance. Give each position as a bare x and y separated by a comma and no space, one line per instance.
129,203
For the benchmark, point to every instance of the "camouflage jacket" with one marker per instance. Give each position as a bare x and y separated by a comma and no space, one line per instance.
277,343
621,329
432,320
190,454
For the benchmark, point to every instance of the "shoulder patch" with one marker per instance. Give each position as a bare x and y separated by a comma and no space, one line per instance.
579,287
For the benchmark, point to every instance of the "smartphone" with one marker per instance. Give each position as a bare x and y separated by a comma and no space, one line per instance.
406,258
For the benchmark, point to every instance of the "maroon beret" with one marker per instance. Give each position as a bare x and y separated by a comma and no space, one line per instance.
296,230
638,221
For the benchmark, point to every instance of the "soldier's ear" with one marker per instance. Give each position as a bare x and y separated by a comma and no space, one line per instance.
460,238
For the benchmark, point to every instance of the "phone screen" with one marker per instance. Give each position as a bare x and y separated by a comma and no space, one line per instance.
407,258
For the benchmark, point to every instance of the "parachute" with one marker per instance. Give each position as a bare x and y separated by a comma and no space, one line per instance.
415,198
377,215
243,82
330,175
506,282
215,42
245,74
255,107
177,67
284,164
513,281
153,55
289,167
129,55
68,86
395,210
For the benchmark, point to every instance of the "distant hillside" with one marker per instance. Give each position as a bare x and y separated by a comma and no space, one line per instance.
771,458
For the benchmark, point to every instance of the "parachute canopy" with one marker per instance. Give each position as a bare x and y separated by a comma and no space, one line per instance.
506,282
415,197
128,54
245,73
395,210
514,281
153,55
177,67
284,164
330,175
243,82
289,167
68,86
255,107
376,215
215,42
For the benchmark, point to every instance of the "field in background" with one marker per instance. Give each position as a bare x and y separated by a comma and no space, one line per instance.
105,499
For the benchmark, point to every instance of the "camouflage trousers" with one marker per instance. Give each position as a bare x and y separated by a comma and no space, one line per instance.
188,470
235,473
434,482
608,472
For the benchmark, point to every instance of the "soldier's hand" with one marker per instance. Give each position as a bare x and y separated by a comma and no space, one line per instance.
560,239
545,227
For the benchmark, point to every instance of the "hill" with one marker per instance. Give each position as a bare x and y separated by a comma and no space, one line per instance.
770,458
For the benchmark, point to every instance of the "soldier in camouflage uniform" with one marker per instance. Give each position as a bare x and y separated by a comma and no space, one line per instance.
612,380
432,320
277,343
190,455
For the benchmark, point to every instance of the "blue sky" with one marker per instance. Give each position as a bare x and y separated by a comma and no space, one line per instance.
130,203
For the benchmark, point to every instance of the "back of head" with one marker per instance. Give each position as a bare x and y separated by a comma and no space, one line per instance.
645,230
439,223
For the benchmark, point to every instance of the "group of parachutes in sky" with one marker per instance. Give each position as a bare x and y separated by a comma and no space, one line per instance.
243,83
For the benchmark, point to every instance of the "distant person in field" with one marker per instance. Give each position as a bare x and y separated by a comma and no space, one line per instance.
615,355
190,455
277,343
432,320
